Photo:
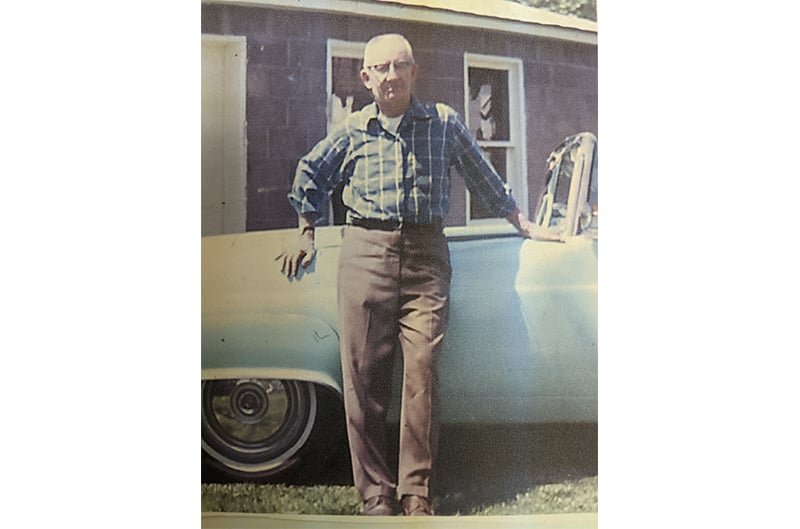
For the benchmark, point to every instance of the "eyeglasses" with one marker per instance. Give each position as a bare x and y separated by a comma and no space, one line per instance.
383,69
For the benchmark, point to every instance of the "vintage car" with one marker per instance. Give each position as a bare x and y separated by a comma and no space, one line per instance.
521,345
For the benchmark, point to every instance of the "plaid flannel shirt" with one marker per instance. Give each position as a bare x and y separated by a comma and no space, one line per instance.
403,176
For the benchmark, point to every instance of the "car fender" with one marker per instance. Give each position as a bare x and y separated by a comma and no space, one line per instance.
269,345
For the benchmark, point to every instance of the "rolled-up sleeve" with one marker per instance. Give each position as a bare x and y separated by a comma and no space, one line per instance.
480,176
317,174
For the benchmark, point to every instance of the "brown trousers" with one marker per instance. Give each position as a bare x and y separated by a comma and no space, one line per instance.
393,295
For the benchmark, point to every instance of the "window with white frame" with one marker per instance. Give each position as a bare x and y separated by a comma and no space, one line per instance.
346,93
493,93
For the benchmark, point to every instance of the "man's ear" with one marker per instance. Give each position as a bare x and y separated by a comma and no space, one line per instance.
365,78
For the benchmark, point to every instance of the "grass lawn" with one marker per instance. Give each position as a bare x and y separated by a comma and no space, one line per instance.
570,496
482,470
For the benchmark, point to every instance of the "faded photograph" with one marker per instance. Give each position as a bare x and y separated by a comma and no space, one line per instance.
399,259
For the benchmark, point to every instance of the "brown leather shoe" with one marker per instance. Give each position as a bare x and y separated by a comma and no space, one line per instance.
416,506
380,506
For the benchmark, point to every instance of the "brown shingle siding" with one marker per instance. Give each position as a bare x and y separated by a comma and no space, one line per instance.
263,50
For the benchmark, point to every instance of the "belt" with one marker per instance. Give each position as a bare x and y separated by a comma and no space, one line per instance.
392,224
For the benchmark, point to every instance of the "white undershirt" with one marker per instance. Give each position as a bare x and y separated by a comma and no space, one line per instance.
390,124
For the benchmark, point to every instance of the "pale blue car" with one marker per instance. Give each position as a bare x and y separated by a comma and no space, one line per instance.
521,346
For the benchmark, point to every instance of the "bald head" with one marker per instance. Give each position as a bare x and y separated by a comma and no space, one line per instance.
381,45
389,73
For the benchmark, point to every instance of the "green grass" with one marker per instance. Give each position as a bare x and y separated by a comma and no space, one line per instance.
568,496
238,497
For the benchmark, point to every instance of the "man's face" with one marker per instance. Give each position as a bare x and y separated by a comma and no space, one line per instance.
389,73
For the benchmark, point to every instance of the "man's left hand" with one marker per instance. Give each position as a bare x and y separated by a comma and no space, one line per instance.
530,230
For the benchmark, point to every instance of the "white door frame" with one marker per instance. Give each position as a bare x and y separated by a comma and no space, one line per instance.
233,202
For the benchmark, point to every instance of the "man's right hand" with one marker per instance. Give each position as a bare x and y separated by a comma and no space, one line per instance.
300,252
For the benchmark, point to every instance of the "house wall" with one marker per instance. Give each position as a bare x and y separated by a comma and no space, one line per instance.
286,84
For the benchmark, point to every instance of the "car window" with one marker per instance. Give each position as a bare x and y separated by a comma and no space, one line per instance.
572,172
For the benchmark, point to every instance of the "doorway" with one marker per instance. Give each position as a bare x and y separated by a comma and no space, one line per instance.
223,147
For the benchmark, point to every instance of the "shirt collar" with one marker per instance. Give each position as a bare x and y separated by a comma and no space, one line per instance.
417,111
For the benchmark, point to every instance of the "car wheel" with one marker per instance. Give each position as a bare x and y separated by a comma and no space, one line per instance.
257,428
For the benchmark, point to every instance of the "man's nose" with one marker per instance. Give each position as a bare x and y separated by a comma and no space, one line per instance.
392,73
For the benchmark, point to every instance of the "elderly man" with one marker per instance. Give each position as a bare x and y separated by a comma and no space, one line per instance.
394,270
